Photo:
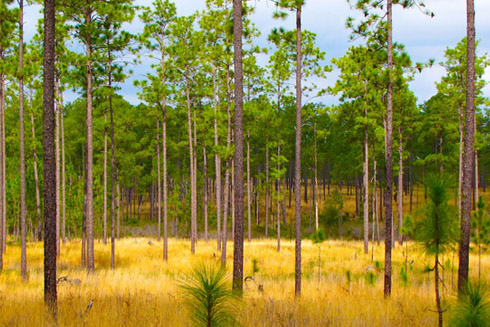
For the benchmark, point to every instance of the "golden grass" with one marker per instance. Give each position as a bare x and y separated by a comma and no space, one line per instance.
142,290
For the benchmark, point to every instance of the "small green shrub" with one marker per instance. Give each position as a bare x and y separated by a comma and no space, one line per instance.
473,309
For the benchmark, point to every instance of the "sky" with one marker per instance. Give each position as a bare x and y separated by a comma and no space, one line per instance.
424,37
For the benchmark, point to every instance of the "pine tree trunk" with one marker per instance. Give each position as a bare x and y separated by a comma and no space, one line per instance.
297,167
165,197
205,188
400,188
23,213
365,170
104,210
4,168
266,186
63,173
113,172
36,182
118,204
227,172
248,189
315,191
50,294
58,184
217,160
468,156
191,166
3,208
389,159
159,186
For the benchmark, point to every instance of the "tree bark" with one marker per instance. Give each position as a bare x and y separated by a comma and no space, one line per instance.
113,171
36,182
365,168
468,156
238,159
400,188
217,160
248,189
63,173
159,186
297,177
50,294
266,186
89,158
205,188
191,166
57,149
3,208
389,159
23,213
104,210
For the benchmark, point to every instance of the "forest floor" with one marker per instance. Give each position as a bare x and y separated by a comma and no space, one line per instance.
143,291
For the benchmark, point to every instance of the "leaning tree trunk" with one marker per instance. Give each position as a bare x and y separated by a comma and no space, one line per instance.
468,157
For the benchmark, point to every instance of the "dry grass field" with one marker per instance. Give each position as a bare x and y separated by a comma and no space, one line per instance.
143,291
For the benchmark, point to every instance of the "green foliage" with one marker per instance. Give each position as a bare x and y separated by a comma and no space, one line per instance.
318,236
208,295
255,268
480,224
473,308
437,232
370,278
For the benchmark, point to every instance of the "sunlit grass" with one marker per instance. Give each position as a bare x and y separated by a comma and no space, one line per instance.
143,290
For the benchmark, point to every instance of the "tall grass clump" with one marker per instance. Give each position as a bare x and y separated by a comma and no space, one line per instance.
208,295
473,309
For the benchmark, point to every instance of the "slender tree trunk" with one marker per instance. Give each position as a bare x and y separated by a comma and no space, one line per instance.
58,184
118,204
4,168
63,173
23,213
50,294
389,159
365,169
438,297
238,159
400,188
468,156
315,191
411,179
477,184
205,188
266,186
278,197
227,172
191,167
89,164
3,208
297,167
217,160
113,172
248,189
225,212
104,210
36,181
159,194
165,196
